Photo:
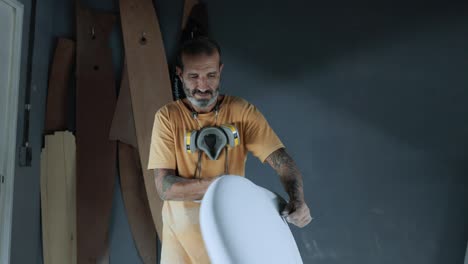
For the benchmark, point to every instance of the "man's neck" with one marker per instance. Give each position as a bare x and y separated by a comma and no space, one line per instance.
203,110
206,109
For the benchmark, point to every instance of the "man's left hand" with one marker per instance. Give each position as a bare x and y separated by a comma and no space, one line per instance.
297,212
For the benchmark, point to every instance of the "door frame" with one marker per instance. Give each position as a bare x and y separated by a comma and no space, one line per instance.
6,196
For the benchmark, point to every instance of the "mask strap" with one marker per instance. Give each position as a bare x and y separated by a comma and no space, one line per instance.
226,165
198,168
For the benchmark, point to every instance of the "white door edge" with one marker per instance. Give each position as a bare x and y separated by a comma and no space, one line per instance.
6,196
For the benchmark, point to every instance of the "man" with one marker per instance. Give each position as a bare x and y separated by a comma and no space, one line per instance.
182,178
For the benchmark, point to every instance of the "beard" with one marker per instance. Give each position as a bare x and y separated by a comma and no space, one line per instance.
201,103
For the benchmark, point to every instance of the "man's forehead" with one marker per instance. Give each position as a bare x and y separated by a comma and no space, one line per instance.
201,61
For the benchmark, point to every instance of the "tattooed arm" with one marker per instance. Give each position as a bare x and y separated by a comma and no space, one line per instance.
173,187
296,212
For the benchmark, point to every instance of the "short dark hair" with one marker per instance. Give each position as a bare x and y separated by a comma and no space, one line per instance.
197,46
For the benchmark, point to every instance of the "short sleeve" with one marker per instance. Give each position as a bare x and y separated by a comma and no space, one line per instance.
162,149
259,137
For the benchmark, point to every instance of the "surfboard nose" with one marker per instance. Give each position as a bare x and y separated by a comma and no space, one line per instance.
241,223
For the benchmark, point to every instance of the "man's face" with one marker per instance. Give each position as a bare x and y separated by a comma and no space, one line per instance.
200,76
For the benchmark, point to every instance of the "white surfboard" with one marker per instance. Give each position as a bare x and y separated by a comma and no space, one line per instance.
241,223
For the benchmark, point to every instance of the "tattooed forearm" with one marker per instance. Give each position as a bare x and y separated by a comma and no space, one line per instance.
161,185
290,175
173,187
167,183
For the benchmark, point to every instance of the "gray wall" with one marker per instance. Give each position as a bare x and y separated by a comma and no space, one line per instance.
369,100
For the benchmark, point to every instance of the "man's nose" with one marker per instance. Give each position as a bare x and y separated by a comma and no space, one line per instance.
202,84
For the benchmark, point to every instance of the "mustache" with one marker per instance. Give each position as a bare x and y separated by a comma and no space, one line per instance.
196,91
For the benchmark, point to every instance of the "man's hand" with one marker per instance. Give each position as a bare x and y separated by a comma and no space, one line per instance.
297,213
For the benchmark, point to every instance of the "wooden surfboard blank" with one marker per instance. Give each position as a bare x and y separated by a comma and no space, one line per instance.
57,93
195,25
96,154
177,88
149,81
57,191
188,5
131,177
123,123
136,203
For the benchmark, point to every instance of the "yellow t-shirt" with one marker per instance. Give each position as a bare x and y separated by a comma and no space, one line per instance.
180,218
173,121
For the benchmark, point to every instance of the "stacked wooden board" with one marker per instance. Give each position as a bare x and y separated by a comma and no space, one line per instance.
58,198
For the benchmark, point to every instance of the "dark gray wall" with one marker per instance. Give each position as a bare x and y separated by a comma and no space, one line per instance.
369,100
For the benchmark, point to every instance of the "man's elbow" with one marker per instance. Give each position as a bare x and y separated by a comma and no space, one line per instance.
159,181
162,196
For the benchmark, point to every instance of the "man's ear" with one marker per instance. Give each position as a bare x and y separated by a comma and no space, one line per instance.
179,72
221,68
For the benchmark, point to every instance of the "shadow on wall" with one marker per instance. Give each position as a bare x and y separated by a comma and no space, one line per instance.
400,66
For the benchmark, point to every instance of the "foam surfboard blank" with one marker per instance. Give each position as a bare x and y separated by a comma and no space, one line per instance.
241,223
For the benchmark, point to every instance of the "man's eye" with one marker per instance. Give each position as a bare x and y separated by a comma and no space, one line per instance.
193,76
211,75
